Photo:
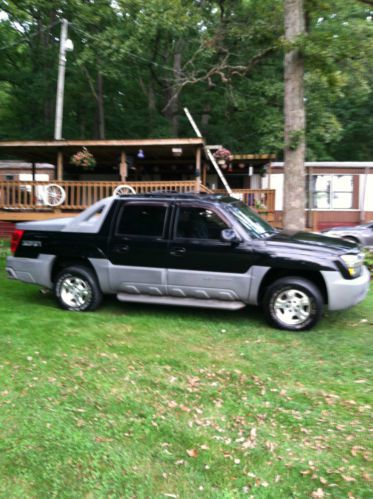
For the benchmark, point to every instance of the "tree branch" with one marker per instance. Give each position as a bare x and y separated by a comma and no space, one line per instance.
223,70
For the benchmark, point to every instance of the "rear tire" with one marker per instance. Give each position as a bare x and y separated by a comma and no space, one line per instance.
76,288
293,303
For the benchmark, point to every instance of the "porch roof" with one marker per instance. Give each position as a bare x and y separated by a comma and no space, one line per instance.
105,151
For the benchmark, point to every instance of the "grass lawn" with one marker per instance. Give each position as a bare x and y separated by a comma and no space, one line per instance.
140,401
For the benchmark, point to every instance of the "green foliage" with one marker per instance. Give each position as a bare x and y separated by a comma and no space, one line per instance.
369,260
222,59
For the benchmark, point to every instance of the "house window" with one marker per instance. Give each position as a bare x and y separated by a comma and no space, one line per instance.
331,192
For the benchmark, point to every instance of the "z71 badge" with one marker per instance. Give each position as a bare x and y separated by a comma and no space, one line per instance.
33,244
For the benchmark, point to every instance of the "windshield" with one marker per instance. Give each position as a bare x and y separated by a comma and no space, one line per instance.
250,221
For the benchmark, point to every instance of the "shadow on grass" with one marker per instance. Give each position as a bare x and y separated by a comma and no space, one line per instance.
251,316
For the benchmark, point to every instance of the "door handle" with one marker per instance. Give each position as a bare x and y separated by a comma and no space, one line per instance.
124,248
178,251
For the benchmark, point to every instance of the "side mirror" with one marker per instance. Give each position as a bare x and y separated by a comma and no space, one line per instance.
230,236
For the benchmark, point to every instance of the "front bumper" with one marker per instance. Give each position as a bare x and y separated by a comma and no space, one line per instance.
345,293
31,270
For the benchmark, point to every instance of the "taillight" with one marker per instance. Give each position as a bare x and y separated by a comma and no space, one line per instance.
16,239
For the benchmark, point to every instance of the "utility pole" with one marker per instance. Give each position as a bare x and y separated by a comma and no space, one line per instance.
65,45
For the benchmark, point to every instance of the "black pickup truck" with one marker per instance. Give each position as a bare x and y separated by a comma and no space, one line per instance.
193,250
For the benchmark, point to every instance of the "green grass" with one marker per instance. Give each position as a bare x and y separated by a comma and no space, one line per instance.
139,401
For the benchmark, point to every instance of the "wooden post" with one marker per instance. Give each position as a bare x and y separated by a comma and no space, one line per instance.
310,198
33,200
123,172
315,221
204,174
198,169
59,165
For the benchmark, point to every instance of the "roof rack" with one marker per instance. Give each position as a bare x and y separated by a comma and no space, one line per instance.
171,194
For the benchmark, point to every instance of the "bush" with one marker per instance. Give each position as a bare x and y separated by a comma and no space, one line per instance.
369,260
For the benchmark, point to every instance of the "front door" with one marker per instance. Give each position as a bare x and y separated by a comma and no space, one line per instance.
203,266
138,248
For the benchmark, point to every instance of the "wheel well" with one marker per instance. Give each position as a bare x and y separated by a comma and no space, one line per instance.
63,262
274,274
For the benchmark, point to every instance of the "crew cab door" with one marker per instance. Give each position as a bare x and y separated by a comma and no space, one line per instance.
201,265
138,248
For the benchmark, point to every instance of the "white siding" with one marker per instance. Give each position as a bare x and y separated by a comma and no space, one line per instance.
368,195
277,183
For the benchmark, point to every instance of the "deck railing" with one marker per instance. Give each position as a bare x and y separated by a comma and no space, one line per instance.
261,200
18,195
27,196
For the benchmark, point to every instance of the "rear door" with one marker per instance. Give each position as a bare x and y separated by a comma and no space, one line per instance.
138,249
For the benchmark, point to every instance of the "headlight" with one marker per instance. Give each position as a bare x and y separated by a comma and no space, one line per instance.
353,263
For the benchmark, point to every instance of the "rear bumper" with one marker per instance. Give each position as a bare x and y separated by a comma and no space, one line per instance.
31,270
344,293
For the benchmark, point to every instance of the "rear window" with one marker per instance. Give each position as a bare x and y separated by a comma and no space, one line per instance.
142,220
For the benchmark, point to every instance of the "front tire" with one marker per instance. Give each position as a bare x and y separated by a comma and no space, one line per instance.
293,303
76,289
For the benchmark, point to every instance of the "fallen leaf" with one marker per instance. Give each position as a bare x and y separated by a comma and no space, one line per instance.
192,452
103,439
271,446
318,494
355,450
348,478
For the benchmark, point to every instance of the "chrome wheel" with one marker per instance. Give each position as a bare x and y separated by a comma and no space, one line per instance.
123,189
54,195
75,292
292,307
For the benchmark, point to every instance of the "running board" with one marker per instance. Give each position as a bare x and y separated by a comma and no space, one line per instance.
185,302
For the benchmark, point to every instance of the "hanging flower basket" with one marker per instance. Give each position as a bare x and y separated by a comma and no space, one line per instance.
223,156
83,159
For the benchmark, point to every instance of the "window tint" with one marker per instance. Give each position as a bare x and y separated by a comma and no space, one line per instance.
142,220
199,223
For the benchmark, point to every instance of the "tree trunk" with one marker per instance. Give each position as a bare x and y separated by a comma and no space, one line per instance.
205,119
152,109
295,120
100,107
172,108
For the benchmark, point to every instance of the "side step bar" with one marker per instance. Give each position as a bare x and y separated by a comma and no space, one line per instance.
184,302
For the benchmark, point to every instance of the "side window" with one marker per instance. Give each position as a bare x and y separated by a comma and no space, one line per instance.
199,223
142,220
